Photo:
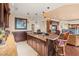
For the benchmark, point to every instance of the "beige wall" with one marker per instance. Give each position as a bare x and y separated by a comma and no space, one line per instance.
12,23
41,24
12,20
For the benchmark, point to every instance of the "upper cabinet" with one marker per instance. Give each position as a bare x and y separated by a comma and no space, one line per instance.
52,26
4,15
1,15
73,26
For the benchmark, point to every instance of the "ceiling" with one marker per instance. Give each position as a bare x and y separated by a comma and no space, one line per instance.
65,12
34,11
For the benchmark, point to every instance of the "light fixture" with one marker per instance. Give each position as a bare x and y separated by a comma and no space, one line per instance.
16,8
48,7
36,14
43,12
27,13
44,17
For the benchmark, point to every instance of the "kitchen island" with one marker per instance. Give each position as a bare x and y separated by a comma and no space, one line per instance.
43,44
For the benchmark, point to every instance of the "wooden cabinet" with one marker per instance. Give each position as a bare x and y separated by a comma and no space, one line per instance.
34,43
20,36
48,26
4,15
42,49
37,45
1,14
73,26
41,44
52,24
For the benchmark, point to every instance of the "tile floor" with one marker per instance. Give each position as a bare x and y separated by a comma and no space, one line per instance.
23,49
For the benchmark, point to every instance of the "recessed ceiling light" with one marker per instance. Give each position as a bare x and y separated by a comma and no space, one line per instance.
36,14
16,8
27,13
48,7
44,17
43,12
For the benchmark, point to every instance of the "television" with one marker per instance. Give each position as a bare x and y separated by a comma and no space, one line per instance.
53,28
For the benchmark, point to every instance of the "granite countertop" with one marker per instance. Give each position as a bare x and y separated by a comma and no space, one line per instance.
42,36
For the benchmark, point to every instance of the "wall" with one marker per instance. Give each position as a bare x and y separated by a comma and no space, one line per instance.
38,23
12,23
64,25
12,20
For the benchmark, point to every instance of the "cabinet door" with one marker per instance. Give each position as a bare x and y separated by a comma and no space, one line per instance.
20,36
43,48
34,44
1,15
6,14
6,20
28,39
39,47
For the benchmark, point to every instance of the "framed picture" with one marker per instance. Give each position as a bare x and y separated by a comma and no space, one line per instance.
20,23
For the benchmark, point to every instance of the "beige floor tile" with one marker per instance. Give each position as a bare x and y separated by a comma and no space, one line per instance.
24,49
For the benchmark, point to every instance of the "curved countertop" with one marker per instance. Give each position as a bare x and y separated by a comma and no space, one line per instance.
9,48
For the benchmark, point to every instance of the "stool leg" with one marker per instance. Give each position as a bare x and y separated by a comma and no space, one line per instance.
64,51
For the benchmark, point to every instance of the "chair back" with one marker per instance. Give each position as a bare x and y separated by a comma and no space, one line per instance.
72,39
66,35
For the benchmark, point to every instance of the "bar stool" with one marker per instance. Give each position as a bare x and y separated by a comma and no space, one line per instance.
61,44
61,47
